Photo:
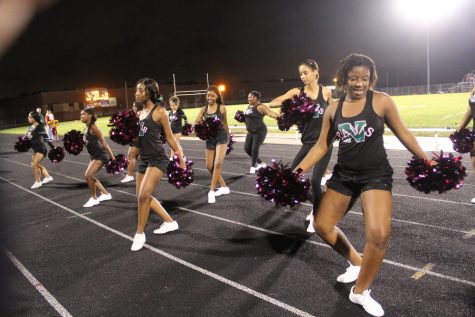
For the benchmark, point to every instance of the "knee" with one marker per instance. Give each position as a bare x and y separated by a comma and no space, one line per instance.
88,177
378,238
144,197
210,168
322,229
218,165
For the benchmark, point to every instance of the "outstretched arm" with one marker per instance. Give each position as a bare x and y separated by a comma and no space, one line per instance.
277,102
267,111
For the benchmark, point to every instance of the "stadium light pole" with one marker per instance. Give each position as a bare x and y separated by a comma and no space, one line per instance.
426,12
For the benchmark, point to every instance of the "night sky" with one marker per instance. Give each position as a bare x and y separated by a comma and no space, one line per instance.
102,43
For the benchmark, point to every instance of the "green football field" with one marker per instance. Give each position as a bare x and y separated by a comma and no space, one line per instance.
417,111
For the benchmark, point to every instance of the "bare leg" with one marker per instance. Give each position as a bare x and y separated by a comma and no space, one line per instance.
218,166
177,137
132,156
35,164
93,167
377,206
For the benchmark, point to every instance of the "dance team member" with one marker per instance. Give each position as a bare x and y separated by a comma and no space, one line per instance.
308,71
176,116
100,152
216,147
362,170
133,151
38,137
153,160
467,117
256,128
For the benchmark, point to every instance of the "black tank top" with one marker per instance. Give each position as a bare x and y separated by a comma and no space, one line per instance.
221,132
38,137
361,138
311,129
149,138
254,119
94,148
471,103
176,119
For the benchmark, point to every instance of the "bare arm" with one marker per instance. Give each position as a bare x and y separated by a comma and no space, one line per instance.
161,116
277,102
327,135
200,115
97,132
225,118
267,111
394,122
327,95
466,118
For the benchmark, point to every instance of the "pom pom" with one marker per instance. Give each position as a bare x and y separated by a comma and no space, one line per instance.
23,144
177,176
125,127
208,128
231,141
239,116
119,166
278,184
447,174
73,142
462,140
187,129
296,110
56,155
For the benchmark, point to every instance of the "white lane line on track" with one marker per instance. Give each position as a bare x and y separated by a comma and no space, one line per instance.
38,286
397,264
255,195
217,277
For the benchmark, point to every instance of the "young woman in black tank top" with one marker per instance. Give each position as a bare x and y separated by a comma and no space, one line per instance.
38,137
176,117
153,159
309,75
256,128
469,116
216,148
360,124
97,147
133,151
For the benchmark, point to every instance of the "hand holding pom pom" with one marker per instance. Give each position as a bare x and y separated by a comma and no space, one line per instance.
178,176
239,116
463,140
23,144
208,128
73,142
56,154
117,166
187,129
231,141
448,173
280,185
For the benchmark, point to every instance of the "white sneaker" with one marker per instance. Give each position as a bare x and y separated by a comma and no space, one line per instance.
36,185
222,191
350,275
48,179
139,241
473,201
211,197
252,170
166,227
128,178
371,306
309,216
91,202
310,227
104,197
262,165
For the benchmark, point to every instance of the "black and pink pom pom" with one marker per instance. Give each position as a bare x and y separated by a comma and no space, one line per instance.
187,129
447,174
119,166
56,155
463,141
73,142
208,128
239,116
23,144
177,176
280,185
125,127
231,141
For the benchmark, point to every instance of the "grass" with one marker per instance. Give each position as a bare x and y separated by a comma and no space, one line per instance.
417,111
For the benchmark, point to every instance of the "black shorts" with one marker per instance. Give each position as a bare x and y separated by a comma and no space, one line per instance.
100,157
160,163
221,138
176,129
353,184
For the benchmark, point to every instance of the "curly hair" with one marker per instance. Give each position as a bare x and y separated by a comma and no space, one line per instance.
355,60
